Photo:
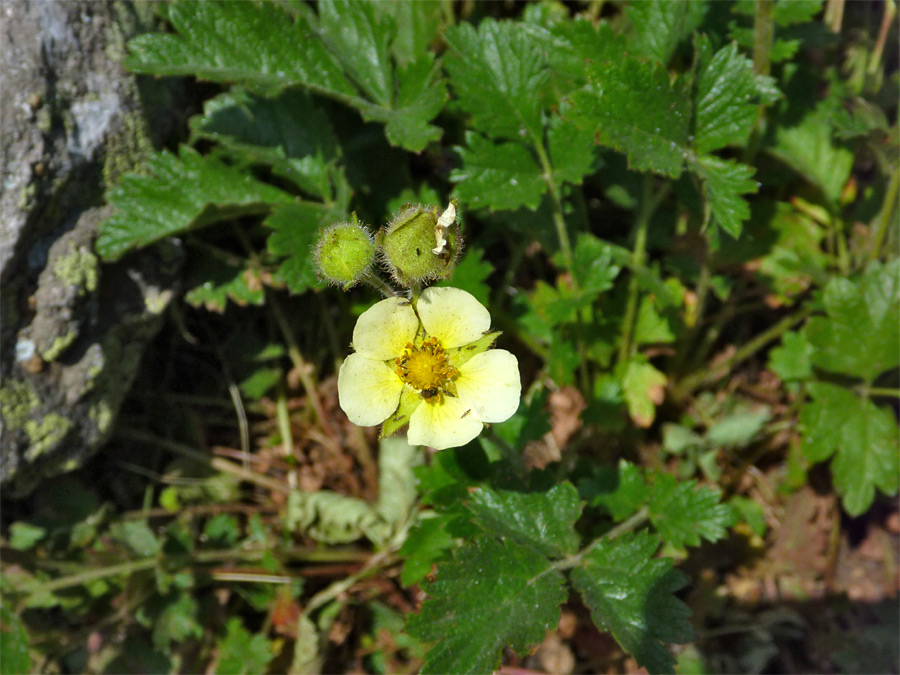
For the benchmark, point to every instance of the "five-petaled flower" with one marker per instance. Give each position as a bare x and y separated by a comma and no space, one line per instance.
428,364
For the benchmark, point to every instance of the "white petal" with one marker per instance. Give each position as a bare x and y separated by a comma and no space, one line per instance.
383,330
452,315
368,390
489,384
443,425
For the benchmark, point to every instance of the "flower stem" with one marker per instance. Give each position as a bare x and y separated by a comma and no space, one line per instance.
379,284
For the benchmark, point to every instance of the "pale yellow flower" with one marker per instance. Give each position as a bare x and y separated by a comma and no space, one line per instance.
429,364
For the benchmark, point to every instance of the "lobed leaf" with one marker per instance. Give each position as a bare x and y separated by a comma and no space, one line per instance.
631,594
500,176
859,337
343,54
491,595
543,521
726,103
661,25
863,438
498,73
683,513
289,132
180,193
724,181
633,107
259,45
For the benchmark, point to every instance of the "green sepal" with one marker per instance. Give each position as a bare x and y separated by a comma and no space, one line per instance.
460,355
409,401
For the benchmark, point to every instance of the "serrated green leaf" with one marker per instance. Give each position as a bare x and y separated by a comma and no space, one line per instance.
661,24
792,360
421,94
177,622
791,12
620,491
288,132
808,148
863,438
295,229
860,336
644,388
724,181
490,596
261,45
498,73
683,513
726,91
632,106
359,40
182,192
594,264
223,277
499,176
241,653
572,151
631,594
416,24
543,521
341,54
428,542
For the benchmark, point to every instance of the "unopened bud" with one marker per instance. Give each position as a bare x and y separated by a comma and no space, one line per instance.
344,253
422,243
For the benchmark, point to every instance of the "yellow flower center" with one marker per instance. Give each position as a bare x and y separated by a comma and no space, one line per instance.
425,368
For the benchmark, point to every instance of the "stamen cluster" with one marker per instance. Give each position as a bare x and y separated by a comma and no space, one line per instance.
426,368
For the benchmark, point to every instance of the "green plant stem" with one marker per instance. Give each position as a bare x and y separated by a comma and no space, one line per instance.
763,37
885,216
701,379
305,370
628,525
304,554
883,391
632,523
374,564
638,256
559,221
217,463
379,284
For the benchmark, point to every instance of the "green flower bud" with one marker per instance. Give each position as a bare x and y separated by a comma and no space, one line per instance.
422,243
344,253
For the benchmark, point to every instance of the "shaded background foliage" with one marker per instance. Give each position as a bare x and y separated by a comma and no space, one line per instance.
683,218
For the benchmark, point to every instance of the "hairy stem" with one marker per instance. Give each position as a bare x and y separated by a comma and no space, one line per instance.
638,256
885,216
